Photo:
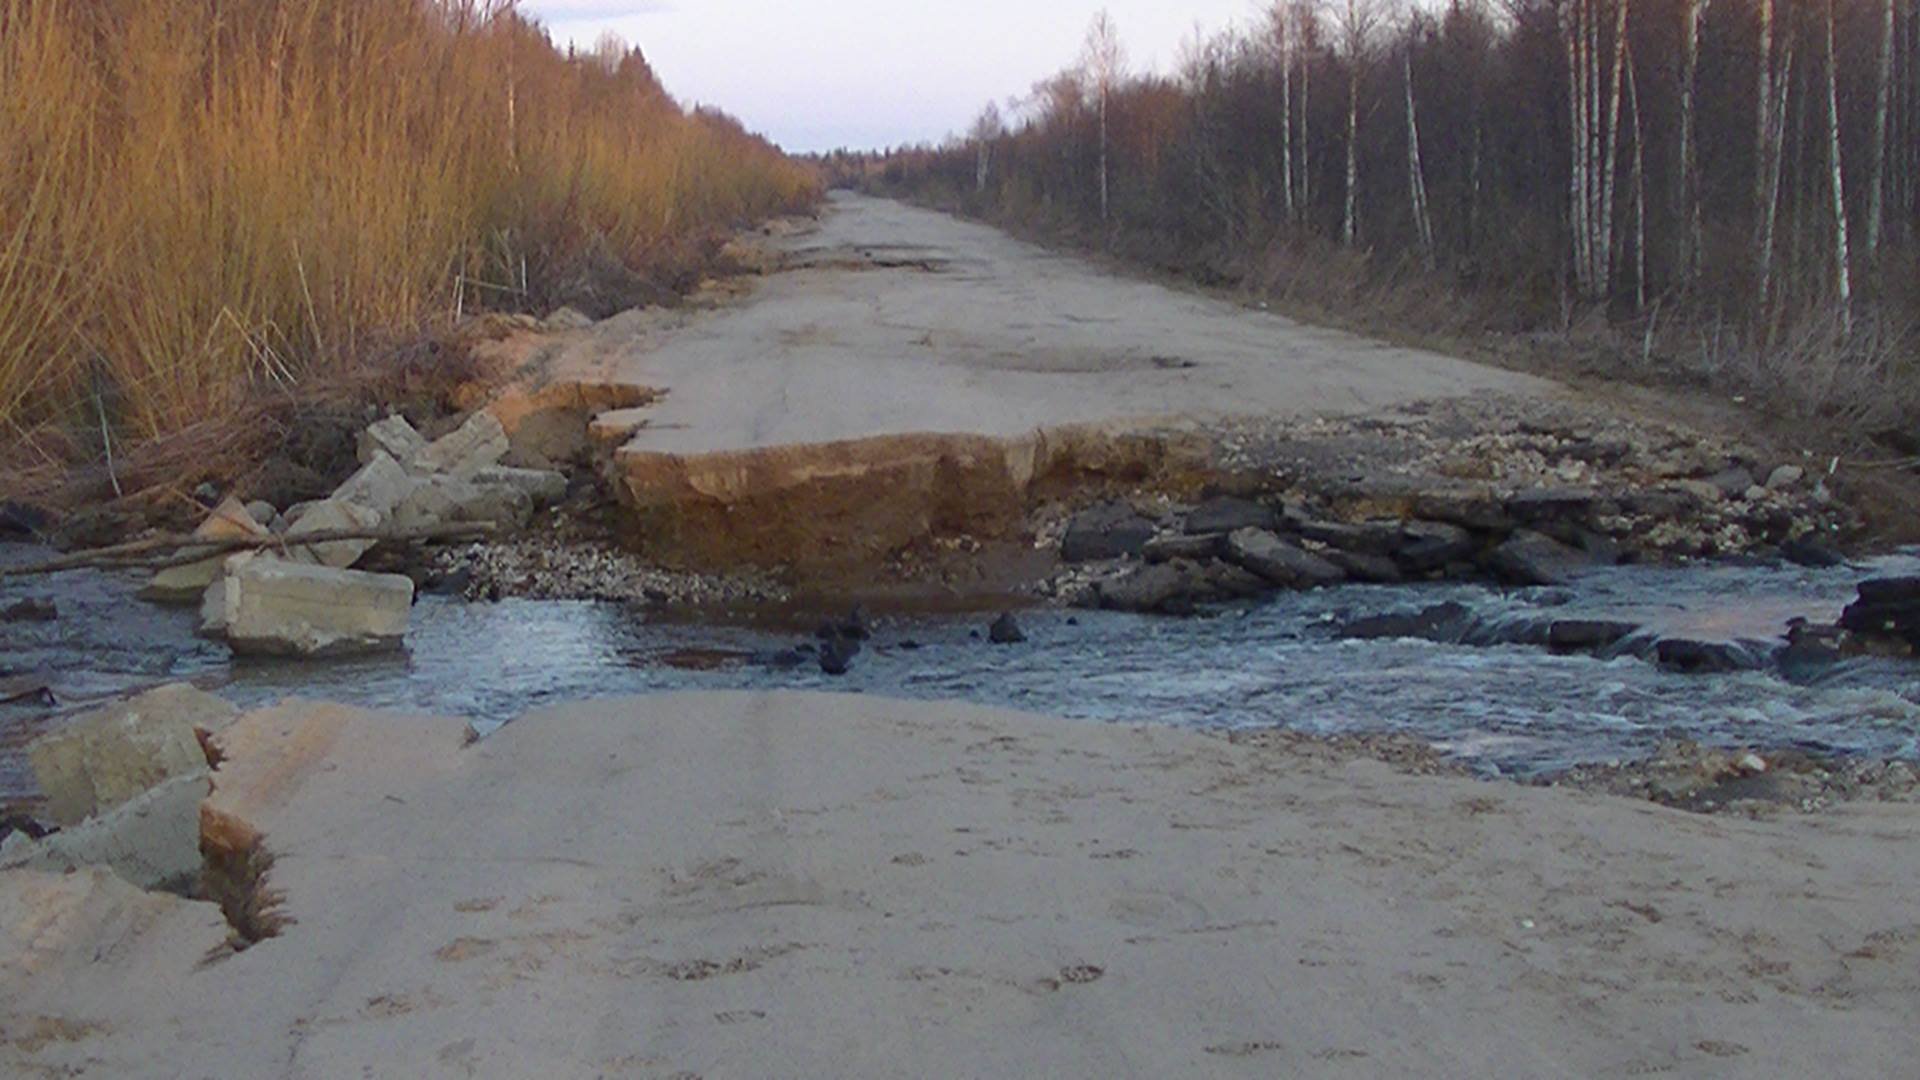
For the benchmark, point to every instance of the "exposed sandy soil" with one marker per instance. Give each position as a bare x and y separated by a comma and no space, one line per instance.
754,885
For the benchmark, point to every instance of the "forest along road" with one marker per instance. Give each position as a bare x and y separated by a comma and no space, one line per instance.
899,373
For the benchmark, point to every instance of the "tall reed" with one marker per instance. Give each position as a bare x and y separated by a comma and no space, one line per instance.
196,195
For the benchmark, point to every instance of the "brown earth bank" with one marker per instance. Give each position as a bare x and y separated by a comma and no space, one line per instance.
703,885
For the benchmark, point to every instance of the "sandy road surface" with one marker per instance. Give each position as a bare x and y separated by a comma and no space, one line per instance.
817,886
900,320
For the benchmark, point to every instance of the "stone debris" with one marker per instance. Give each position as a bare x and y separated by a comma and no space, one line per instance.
107,757
276,608
1279,562
541,486
380,485
543,569
334,515
394,437
478,444
1109,531
152,840
187,584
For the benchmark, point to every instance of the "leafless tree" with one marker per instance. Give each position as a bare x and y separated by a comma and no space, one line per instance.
1104,61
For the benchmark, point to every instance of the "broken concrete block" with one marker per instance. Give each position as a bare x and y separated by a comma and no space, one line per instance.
112,755
151,840
276,608
185,584
441,500
394,437
378,486
540,485
479,443
334,515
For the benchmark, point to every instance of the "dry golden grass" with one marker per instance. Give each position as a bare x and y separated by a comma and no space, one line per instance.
198,197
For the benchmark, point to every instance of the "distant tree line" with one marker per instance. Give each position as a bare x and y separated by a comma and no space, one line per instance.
1755,162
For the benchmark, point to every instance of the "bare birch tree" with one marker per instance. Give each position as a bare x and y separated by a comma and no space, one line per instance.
1416,176
1104,63
987,129
1357,21
1842,271
1692,232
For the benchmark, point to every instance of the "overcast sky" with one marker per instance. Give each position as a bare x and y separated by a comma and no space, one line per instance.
821,74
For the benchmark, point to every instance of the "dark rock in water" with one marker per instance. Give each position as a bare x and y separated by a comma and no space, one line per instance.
836,656
1707,657
1006,631
1426,546
784,660
1284,564
1110,531
30,611
1811,553
1224,581
1227,514
807,649
1529,558
1361,566
20,519
1588,635
1159,589
1446,623
1195,548
909,645
1811,650
1887,608
854,627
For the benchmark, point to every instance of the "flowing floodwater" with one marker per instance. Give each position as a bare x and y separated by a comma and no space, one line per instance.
1511,709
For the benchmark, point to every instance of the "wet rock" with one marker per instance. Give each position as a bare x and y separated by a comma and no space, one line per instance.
112,755
1811,553
30,610
1529,558
1158,589
1786,477
1364,567
1006,631
1194,548
1426,546
186,584
381,485
333,515
854,626
1279,562
276,608
837,654
1366,538
1220,580
1228,514
478,444
542,487
1588,635
393,436
1444,623
1111,531
1887,608
1709,657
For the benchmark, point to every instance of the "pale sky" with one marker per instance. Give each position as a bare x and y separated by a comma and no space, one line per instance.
820,74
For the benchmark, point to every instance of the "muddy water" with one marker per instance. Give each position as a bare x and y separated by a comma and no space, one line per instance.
1510,709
